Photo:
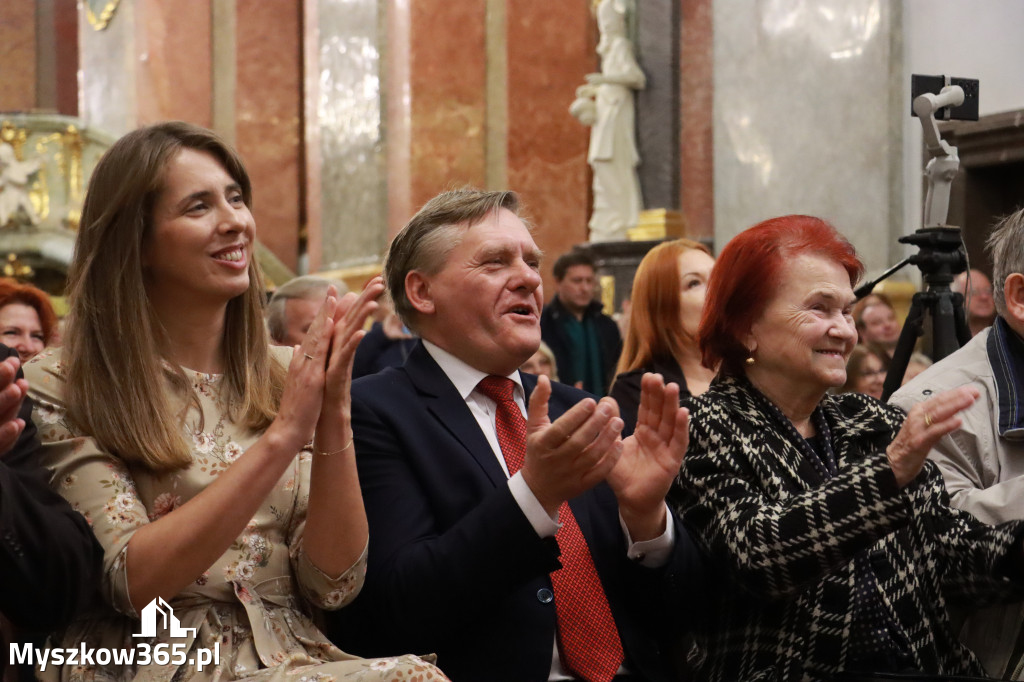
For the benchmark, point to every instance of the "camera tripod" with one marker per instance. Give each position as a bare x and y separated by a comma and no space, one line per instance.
941,254
940,259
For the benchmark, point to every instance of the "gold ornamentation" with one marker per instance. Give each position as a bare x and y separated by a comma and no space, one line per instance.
608,294
101,20
15,268
657,223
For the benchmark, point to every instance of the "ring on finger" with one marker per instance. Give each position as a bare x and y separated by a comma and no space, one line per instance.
927,419
309,357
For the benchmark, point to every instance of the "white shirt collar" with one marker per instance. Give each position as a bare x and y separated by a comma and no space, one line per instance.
464,377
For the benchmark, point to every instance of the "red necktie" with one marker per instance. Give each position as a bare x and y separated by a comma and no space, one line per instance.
590,646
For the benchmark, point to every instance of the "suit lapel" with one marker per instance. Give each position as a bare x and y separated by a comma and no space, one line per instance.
446,405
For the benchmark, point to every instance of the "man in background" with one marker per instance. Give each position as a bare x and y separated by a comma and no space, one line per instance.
979,306
982,462
585,341
294,305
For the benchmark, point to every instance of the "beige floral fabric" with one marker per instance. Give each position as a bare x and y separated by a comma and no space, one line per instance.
249,607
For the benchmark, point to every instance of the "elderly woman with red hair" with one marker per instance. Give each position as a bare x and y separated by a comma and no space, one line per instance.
27,321
820,509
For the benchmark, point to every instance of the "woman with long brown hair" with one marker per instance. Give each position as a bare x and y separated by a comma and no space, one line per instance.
218,474
667,303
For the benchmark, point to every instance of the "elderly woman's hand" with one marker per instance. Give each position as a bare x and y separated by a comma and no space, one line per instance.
925,424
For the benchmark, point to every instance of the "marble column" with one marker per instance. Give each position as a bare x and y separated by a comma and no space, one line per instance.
437,101
696,153
808,113
550,47
343,79
657,105
151,62
57,56
267,96
18,55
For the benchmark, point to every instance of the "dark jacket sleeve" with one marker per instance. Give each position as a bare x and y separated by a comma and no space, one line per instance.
49,557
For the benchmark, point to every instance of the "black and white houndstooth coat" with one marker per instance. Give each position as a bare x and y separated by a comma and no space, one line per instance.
786,539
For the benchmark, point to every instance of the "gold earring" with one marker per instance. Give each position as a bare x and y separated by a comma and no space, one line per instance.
750,360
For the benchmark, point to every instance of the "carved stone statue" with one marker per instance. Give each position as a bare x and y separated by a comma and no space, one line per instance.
15,205
606,104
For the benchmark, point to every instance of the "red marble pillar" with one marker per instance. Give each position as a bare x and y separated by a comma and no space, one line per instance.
447,91
268,119
697,153
18,55
550,49
173,76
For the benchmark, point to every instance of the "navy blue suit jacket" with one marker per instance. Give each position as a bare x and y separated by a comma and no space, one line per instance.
456,569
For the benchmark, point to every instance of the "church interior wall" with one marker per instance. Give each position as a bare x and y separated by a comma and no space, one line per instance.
350,114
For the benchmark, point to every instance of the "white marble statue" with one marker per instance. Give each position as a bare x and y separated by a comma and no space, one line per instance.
606,104
14,187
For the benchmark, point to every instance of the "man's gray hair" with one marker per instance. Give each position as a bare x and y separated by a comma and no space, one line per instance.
1006,246
427,240
307,288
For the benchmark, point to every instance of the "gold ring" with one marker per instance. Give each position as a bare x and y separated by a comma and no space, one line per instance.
927,419
309,357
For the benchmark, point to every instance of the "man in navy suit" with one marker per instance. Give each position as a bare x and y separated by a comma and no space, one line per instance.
464,558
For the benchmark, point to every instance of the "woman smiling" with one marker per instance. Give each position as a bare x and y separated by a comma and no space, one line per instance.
821,509
217,474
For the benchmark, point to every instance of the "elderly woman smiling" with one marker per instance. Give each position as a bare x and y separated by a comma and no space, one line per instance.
821,509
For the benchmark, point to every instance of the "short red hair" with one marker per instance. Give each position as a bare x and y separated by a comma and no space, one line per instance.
13,291
746,275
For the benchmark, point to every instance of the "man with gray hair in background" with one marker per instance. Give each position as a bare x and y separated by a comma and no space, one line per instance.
983,461
294,305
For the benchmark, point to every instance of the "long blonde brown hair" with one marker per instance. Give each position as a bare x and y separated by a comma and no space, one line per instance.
114,344
655,329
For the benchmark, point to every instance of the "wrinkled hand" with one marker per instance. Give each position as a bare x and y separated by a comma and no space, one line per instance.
573,454
304,386
925,424
346,333
651,458
12,394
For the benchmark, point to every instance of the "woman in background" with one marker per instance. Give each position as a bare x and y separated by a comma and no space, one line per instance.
27,320
865,372
217,473
667,303
542,362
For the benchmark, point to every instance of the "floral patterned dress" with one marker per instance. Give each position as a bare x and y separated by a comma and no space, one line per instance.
248,607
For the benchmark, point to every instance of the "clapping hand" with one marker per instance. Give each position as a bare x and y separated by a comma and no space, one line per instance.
575,452
651,458
925,424
12,394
